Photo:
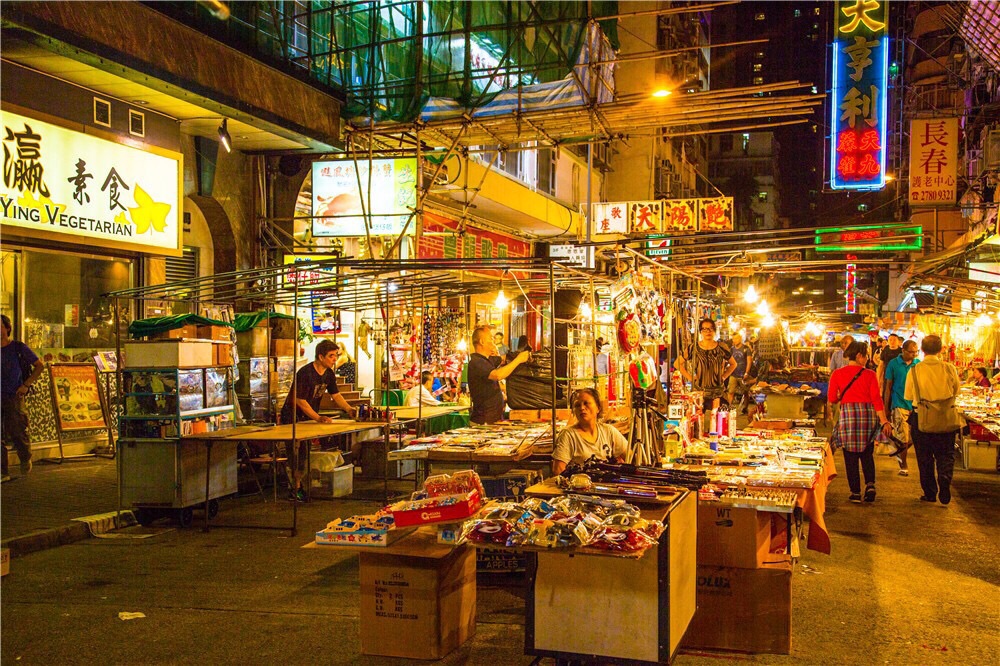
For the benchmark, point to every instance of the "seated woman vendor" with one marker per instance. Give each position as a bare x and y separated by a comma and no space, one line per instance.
588,437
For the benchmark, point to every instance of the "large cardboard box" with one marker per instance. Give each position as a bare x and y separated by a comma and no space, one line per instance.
745,610
189,331
169,354
220,333
417,607
283,329
252,343
282,347
732,537
223,353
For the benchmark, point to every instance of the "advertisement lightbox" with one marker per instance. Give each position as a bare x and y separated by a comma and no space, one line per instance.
344,191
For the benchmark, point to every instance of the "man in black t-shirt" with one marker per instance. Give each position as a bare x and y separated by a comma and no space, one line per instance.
485,375
311,383
889,352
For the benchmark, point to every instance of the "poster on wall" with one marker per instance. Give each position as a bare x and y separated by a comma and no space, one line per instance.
73,187
343,191
76,396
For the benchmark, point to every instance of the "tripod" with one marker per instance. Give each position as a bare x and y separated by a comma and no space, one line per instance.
645,436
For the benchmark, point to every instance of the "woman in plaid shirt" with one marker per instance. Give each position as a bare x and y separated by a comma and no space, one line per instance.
862,419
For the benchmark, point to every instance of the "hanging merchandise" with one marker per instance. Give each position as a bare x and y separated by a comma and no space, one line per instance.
643,372
629,331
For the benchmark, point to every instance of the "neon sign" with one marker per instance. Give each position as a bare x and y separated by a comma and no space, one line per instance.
870,238
850,281
860,95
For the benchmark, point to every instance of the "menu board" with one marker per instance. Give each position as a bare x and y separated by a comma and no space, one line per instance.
76,396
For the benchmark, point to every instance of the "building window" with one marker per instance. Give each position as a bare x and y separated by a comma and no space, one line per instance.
758,221
814,90
816,11
758,80
546,162
759,54
726,143
757,67
862,208
762,197
746,142
798,13
760,17
813,127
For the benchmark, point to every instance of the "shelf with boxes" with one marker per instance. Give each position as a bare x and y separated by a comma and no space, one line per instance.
169,403
267,364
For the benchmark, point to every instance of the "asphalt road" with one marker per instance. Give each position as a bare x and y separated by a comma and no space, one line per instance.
907,583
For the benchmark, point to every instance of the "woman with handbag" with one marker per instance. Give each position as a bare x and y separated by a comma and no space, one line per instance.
934,420
862,418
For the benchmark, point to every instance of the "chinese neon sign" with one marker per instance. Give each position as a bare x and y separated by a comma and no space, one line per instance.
860,95
850,281
870,238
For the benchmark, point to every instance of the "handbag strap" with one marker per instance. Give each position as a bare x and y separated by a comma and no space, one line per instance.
849,385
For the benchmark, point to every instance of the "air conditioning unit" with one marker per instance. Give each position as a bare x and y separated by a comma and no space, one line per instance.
665,182
666,166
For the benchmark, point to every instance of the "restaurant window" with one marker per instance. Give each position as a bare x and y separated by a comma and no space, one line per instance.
65,314
762,197
757,67
758,80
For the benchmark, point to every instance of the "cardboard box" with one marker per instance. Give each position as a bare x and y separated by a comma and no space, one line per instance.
981,456
283,329
745,610
511,484
4,561
223,353
168,354
220,333
189,331
282,347
417,607
338,483
252,343
732,537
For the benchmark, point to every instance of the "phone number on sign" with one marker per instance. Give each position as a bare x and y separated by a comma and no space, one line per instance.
933,195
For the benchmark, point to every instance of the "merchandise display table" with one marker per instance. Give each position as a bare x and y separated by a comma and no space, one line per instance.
432,420
418,597
578,603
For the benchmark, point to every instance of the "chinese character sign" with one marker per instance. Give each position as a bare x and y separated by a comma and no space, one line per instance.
609,219
715,214
850,281
73,187
645,217
859,96
933,161
341,196
680,215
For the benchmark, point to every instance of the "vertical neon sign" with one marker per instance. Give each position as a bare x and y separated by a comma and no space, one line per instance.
859,97
850,281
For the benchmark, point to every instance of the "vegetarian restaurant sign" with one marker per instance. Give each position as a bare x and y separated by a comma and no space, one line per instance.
860,94
73,187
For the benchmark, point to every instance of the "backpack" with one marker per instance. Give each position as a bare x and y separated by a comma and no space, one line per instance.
935,415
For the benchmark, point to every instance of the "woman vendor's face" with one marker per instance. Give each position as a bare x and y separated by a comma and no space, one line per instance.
585,408
707,331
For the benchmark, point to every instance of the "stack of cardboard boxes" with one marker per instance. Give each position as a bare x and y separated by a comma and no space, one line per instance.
744,592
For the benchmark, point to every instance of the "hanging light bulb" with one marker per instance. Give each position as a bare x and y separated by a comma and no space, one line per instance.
767,321
585,310
501,301
763,309
751,296
983,320
461,346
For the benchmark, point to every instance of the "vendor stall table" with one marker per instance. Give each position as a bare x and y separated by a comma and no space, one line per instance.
433,419
418,597
594,607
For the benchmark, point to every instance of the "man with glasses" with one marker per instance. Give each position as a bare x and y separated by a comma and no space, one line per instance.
312,381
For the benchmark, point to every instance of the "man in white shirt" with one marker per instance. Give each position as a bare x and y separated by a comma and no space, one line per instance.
421,394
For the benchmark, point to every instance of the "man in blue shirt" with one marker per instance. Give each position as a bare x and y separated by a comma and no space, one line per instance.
20,369
837,359
895,383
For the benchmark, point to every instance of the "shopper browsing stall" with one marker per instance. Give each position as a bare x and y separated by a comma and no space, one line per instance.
862,419
485,375
588,437
707,364
896,372
934,383
743,356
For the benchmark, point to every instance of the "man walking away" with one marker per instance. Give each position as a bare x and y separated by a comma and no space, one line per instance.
20,370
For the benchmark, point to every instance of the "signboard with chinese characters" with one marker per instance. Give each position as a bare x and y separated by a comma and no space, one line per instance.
850,282
645,217
443,238
67,186
573,255
680,215
715,214
859,95
320,276
933,161
870,238
610,219
341,196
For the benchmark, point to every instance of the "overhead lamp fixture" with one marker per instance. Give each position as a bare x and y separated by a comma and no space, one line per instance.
767,321
224,138
661,93
751,296
763,309
461,346
585,310
501,302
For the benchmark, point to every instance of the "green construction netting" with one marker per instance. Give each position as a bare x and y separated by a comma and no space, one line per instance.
390,57
141,328
244,321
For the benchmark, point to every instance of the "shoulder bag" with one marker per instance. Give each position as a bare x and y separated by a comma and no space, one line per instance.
935,415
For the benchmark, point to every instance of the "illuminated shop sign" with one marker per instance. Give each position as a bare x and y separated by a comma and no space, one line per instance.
860,95
933,161
72,187
870,238
344,191
646,218
850,281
